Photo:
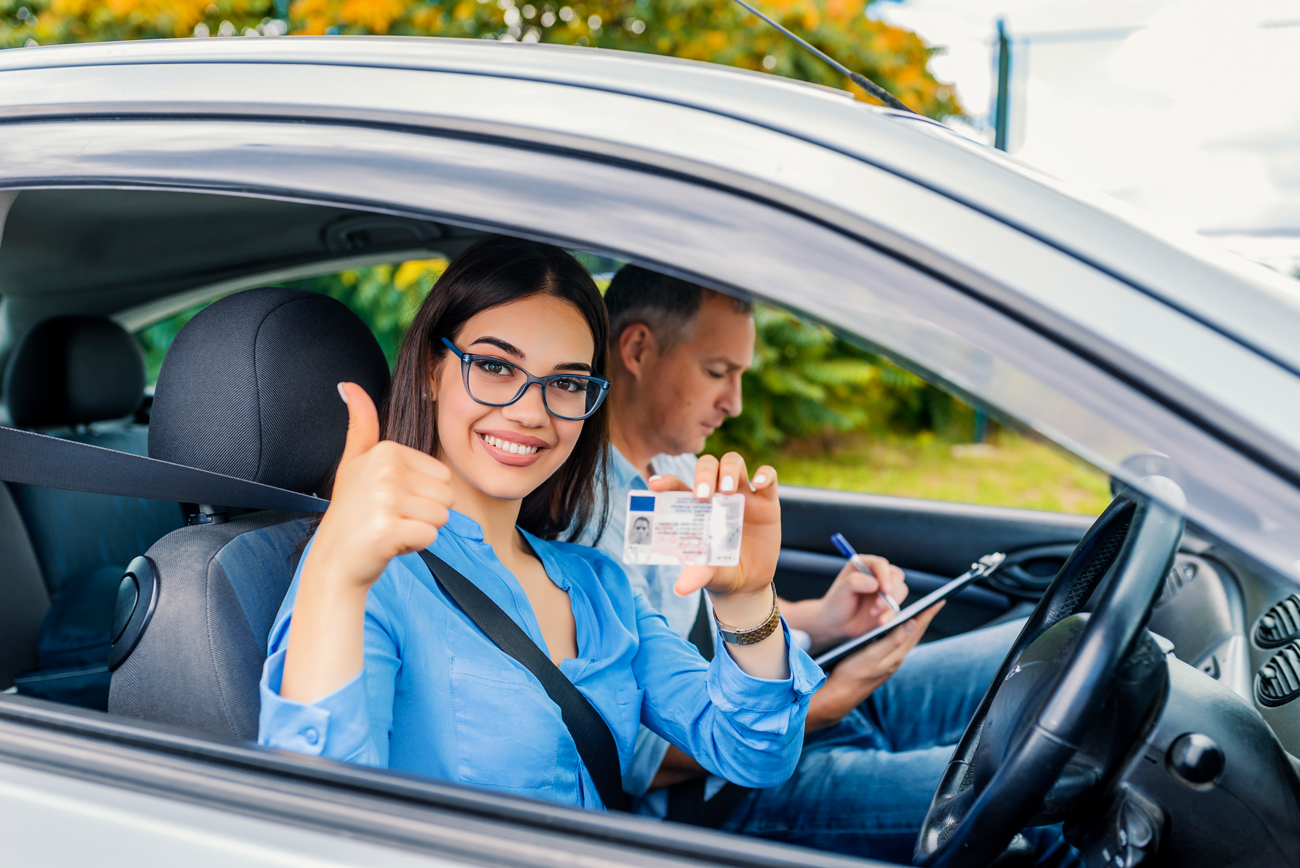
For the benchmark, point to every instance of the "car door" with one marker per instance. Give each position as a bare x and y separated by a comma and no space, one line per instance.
932,541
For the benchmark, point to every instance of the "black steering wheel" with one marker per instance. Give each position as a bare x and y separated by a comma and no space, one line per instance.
1065,671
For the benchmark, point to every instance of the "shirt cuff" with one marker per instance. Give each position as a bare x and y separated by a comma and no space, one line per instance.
647,757
729,683
335,726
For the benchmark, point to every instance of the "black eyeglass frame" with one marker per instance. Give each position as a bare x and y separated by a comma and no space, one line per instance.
467,359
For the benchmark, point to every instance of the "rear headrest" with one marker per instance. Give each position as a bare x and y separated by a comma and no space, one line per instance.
249,387
73,370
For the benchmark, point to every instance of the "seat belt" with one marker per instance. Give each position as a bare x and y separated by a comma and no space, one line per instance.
686,802
589,730
38,459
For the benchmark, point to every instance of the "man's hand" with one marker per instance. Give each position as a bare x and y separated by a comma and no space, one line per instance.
852,606
857,675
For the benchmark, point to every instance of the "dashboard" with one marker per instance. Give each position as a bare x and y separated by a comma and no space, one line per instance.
1240,628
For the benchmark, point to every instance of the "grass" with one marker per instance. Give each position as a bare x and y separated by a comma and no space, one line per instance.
1008,471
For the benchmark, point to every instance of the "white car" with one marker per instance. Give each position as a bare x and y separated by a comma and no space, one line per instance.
140,179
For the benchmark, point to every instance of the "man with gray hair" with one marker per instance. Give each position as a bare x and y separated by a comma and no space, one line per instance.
878,736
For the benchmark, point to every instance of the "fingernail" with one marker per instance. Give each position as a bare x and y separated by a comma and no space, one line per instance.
342,394
728,483
910,626
656,476
702,490
760,479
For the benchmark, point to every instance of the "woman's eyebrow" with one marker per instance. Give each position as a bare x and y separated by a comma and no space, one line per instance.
576,366
511,349
504,346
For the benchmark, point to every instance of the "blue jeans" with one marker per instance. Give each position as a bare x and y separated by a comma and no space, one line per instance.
864,785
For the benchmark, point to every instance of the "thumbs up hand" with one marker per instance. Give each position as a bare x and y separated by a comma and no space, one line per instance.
388,500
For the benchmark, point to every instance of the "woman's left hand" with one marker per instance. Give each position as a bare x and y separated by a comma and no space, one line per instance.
760,543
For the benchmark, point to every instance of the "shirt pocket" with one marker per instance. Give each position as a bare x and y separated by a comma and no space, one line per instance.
507,728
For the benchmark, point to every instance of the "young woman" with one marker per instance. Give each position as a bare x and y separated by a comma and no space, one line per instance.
494,431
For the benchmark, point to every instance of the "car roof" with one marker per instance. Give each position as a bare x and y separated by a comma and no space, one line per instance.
1248,303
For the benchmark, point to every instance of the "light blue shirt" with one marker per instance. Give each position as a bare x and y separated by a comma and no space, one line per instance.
435,697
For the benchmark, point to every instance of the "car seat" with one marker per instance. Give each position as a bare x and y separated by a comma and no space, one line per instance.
248,389
81,378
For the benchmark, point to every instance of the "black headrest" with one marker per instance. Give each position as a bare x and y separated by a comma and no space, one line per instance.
72,370
249,387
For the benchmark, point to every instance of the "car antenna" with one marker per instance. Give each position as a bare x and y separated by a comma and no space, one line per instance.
860,80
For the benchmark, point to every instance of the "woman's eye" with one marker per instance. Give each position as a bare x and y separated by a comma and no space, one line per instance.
717,375
495,369
568,385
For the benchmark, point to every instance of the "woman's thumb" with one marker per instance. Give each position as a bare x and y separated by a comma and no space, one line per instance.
363,421
692,578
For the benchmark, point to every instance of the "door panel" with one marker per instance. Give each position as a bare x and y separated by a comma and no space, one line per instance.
932,541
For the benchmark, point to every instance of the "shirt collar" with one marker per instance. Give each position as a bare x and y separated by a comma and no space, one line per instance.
463,526
623,469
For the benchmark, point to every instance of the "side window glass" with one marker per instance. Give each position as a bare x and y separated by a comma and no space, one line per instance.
386,298
828,414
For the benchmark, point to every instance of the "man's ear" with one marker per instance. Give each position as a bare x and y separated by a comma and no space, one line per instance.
636,348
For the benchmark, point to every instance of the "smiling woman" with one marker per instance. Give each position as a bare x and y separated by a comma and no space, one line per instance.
374,660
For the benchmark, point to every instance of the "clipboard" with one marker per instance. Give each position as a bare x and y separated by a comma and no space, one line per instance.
985,566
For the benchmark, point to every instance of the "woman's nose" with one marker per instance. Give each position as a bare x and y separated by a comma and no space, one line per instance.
530,409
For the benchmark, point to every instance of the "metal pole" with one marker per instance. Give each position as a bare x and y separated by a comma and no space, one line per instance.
1001,108
1001,113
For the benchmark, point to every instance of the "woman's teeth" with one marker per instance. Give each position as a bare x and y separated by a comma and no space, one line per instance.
507,446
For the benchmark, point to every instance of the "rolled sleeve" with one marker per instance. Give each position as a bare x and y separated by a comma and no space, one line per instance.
336,726
733,690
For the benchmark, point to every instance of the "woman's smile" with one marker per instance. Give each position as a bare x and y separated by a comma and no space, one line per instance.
512,449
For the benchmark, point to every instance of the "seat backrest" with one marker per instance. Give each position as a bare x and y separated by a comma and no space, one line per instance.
249,389
65,375
23,597
80,378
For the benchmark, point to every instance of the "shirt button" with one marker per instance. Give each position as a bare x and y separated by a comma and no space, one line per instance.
311,735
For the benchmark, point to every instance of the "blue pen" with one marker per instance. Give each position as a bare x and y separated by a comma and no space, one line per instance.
845,549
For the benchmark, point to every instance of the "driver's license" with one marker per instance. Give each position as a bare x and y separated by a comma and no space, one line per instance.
673,528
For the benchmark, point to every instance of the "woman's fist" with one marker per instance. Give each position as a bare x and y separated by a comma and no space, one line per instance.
388,500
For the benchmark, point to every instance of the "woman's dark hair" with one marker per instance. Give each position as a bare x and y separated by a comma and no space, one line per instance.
495,271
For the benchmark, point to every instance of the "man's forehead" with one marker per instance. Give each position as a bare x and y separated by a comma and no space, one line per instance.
722,331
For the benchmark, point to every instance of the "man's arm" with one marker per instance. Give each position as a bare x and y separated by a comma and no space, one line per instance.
852,605
678,767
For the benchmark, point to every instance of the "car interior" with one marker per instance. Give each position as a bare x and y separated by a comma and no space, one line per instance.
159,612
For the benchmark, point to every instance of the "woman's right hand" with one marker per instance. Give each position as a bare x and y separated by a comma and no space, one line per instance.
388,500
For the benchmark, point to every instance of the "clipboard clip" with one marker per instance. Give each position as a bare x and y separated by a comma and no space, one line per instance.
987,565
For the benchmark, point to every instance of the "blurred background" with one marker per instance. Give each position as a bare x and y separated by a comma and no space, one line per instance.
1182,108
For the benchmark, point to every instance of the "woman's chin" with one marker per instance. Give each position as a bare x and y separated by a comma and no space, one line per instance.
504,482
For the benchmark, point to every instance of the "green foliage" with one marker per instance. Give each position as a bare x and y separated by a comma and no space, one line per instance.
386,297
806,382
711,30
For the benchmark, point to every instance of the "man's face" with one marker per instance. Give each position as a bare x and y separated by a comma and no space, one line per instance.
694,387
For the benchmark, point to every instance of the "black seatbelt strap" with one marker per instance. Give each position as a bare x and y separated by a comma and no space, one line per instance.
589,730
38,459
701,635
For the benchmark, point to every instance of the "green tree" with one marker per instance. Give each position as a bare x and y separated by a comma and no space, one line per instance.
806,382
711,30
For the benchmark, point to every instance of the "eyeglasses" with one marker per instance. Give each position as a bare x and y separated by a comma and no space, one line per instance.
498,383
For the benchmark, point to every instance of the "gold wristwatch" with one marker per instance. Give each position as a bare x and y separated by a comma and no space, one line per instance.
753,635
